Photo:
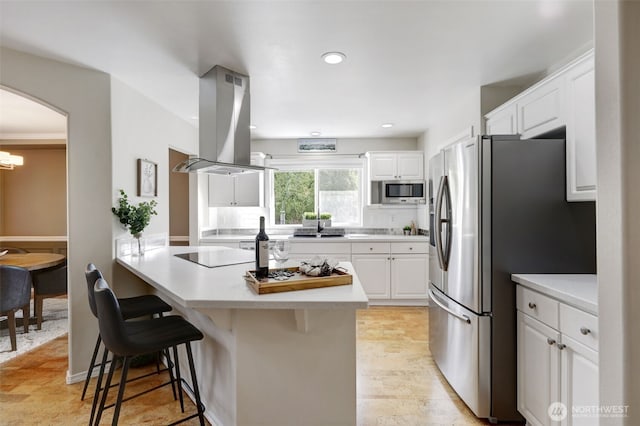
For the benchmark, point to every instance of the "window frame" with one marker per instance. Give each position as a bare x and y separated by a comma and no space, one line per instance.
314,164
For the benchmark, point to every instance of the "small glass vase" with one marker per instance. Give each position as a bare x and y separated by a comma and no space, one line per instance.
138,246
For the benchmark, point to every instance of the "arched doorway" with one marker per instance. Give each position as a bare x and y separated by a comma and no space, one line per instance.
33,197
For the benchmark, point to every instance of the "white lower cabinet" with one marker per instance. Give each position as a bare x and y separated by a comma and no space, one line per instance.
557,373
374,273
392,272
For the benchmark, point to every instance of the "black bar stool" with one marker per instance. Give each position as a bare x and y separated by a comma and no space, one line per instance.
128,339
131,307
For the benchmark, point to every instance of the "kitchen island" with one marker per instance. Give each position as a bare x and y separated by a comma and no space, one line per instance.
273,359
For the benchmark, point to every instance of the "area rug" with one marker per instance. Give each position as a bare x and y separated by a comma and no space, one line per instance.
55,323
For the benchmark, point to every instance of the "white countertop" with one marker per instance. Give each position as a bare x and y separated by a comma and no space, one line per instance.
196,286
347,238
578,290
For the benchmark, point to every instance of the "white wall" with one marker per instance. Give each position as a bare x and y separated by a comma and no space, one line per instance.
100,110
143,129
83,95
277,147
247,217
618,206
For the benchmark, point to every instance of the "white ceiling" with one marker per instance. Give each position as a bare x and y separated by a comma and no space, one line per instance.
406,61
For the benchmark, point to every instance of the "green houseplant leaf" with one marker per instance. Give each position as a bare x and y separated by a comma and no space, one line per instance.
134,218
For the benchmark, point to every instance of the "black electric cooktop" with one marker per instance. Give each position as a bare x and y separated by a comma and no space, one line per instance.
217,258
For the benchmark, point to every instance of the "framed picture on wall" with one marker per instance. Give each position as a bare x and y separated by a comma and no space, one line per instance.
147,178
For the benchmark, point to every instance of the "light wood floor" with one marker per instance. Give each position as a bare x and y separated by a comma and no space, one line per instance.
397,383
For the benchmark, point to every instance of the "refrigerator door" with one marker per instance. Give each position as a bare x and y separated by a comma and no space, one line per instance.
436,165
459,341
461,279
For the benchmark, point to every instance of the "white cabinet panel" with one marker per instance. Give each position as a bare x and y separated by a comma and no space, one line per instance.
538,369
383,166
579,383
581,133
374,272
541,110
410,166
503,121
221,191
409,276
247,189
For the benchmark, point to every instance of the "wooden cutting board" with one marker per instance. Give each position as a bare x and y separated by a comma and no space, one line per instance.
298,281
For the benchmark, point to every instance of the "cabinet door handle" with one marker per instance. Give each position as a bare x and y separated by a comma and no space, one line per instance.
561,346
370,248
584,330
410,248
532,305
551,341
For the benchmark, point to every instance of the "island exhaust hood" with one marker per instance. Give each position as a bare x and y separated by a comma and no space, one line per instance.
224,117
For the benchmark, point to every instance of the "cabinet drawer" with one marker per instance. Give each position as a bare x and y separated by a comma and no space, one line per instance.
538,306
363,248
409,248
579,325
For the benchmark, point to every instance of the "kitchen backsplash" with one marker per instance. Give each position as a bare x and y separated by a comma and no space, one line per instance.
374,218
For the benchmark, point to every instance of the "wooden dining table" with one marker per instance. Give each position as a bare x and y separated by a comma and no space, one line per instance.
32,261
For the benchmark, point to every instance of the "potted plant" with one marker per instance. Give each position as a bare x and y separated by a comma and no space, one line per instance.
311,219
406,230
134,218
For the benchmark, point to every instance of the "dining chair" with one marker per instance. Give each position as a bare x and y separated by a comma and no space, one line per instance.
15,294
50,282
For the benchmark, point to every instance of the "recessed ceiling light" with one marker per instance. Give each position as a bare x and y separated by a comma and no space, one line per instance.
252,127
315,133
333,58
387,125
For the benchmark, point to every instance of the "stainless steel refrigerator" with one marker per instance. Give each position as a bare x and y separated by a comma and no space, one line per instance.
496,206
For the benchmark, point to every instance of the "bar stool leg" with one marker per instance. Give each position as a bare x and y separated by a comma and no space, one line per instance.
123,384
92,364
178,377
107,385
165,353
194,381
96,394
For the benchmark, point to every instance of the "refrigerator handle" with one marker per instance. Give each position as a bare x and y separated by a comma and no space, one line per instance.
446,251
449,311
438,223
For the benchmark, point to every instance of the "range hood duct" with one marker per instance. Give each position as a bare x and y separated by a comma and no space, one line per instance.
224,116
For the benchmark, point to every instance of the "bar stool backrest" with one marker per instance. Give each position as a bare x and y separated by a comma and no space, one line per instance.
92,274
110,321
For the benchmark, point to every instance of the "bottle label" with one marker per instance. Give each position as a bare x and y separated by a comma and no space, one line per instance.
263,254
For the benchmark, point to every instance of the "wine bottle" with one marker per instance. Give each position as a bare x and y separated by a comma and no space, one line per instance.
262,252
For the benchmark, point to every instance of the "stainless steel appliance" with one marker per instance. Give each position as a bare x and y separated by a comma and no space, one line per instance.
496,206
398,192
224,118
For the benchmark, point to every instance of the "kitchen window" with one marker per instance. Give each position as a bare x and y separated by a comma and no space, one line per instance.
333,187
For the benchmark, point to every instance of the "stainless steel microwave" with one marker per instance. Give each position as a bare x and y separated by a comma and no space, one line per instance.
401,192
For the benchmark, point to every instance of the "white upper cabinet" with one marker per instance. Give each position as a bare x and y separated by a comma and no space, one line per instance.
540,110
503,121
566,98
581,132
243,190
396,165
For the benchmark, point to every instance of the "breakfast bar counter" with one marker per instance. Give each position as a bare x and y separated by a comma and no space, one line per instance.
273,359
